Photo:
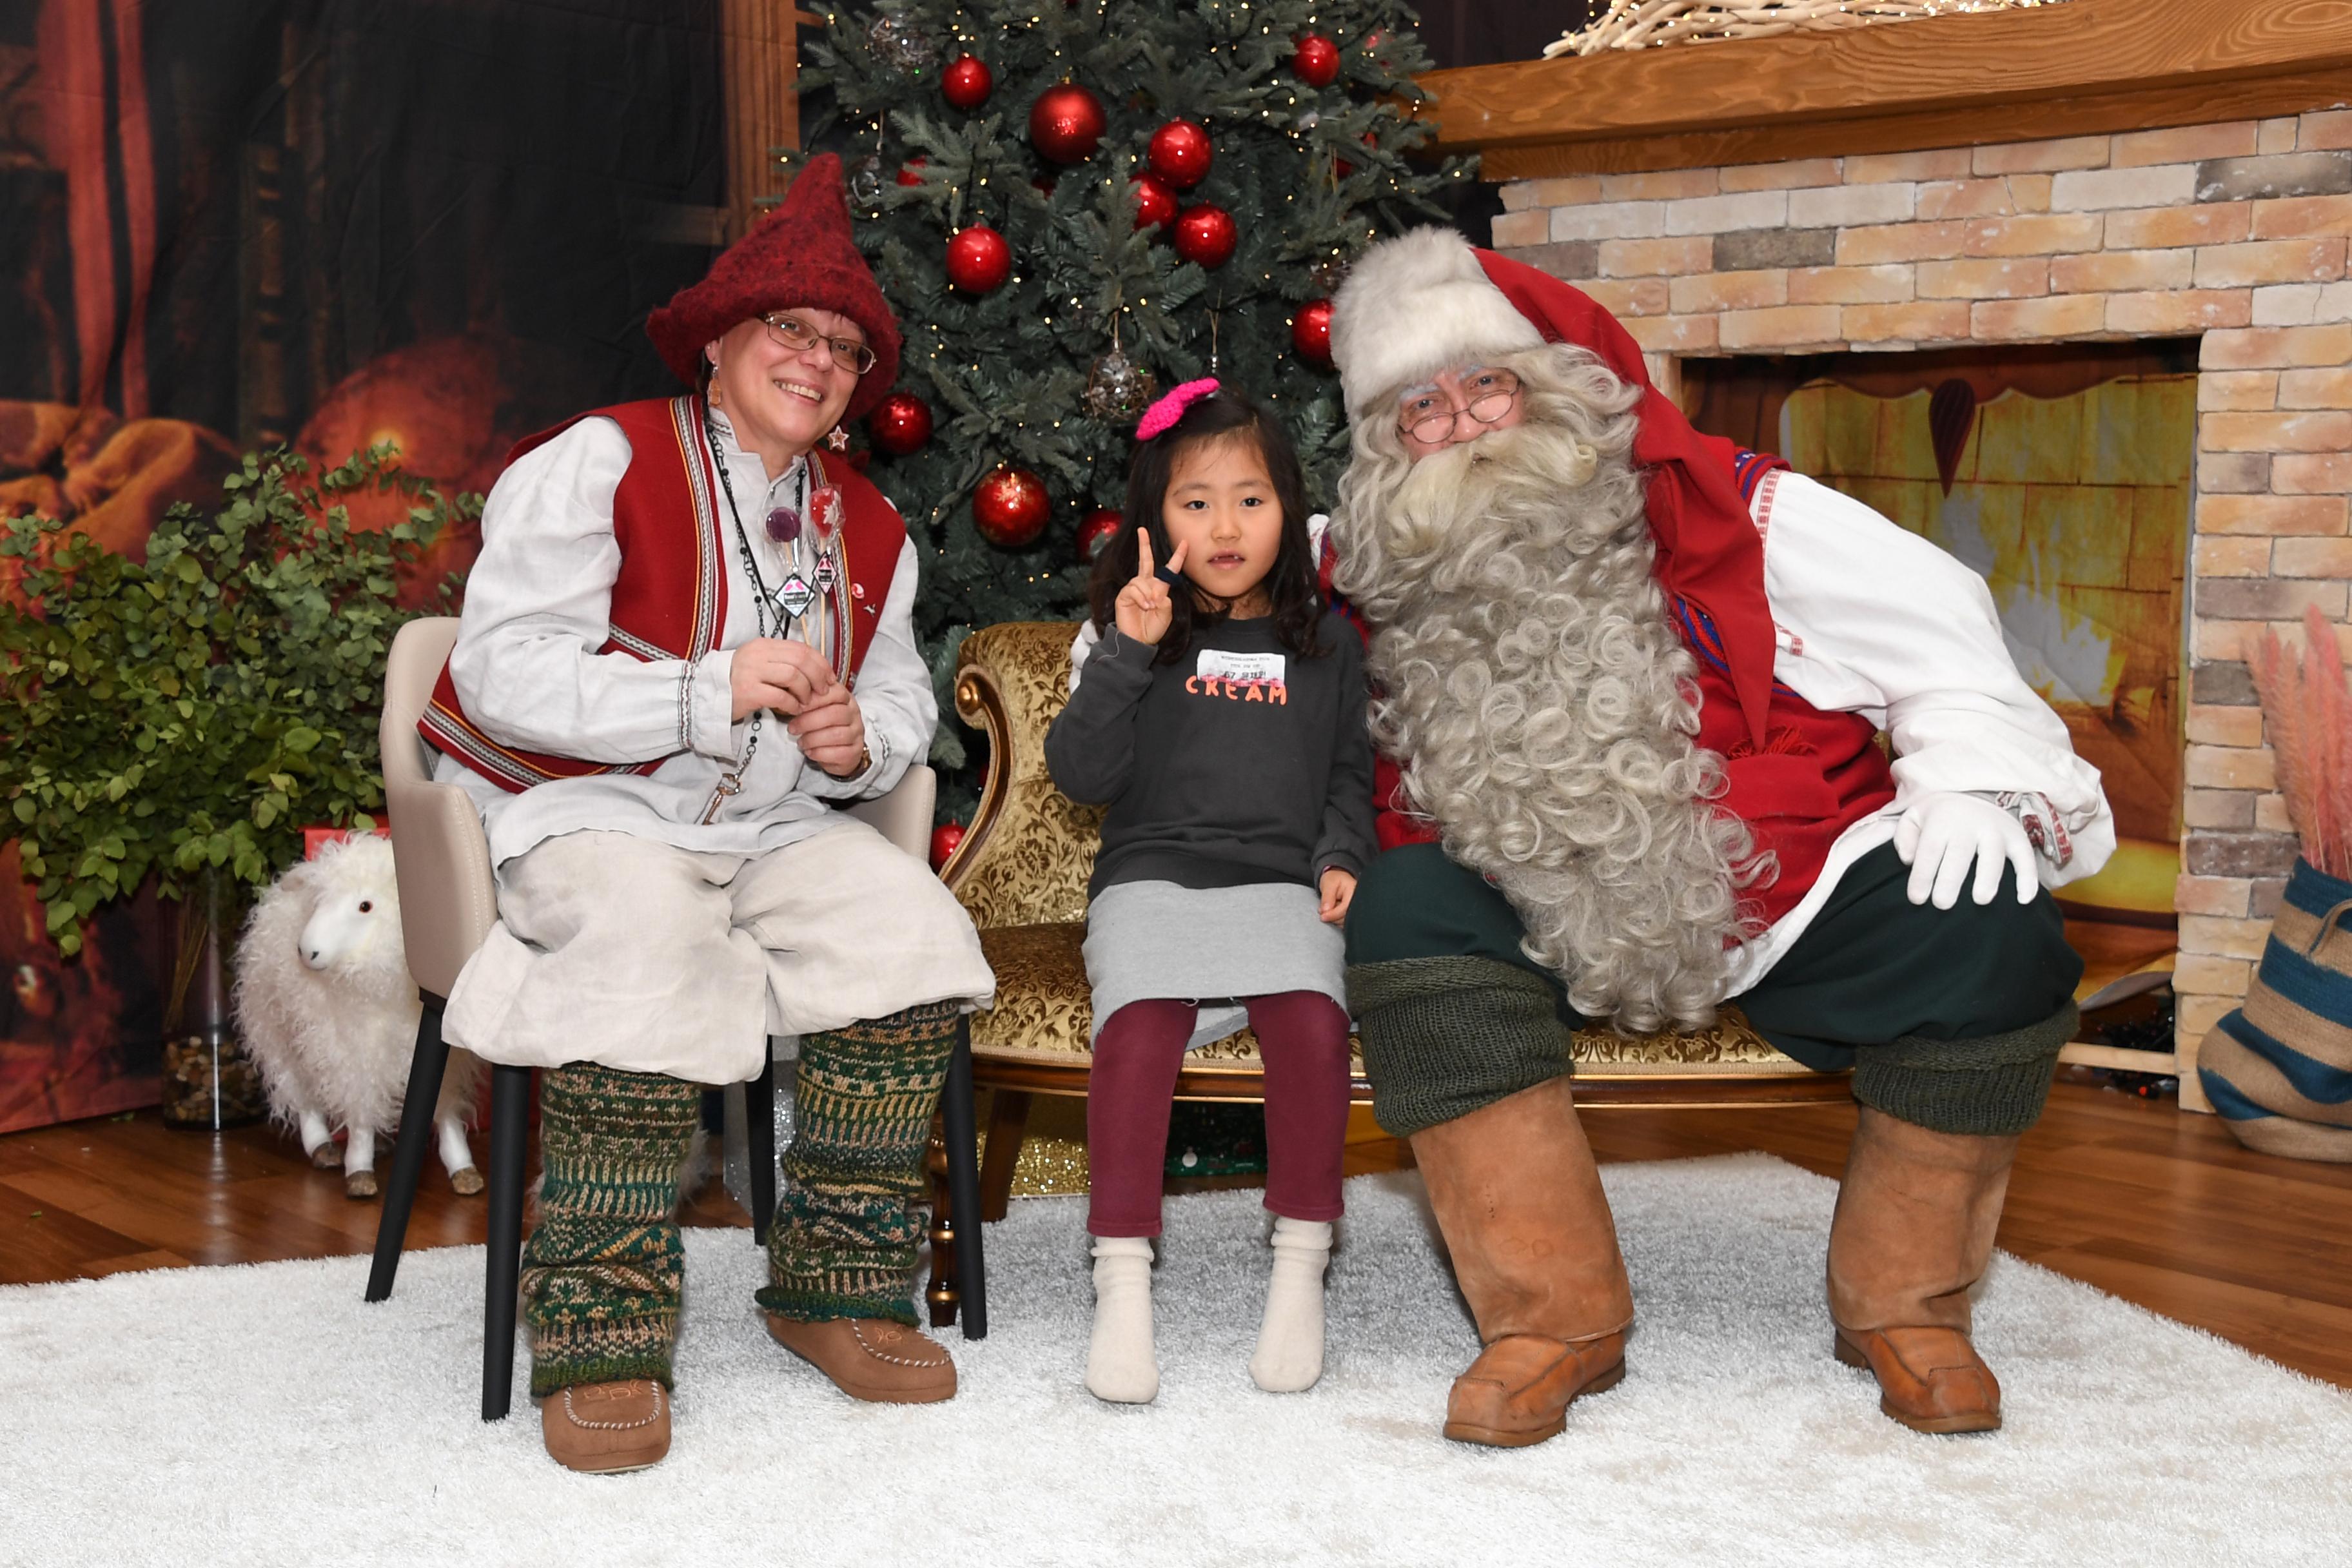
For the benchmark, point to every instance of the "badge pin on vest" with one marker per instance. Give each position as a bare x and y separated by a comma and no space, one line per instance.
794,595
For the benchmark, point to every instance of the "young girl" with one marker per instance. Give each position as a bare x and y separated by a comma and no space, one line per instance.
1222,717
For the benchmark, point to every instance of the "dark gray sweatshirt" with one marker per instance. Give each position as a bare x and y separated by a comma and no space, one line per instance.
1242,762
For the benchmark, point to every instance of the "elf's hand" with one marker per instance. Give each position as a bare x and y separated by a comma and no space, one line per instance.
1142,611
1944,833
774,672
831,730
1339,892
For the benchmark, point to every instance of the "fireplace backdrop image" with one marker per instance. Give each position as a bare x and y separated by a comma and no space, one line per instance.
322,225
2064,479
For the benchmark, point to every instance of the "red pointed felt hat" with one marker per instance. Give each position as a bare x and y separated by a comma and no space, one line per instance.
799,255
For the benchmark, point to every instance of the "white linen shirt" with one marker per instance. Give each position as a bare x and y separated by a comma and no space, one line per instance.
537,607
1873,620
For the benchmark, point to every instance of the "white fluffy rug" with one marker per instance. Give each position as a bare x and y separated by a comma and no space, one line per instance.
265,1415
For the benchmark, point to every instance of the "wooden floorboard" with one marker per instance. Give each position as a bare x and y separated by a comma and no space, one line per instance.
2130,1195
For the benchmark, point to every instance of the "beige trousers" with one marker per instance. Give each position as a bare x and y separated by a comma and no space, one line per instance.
627,952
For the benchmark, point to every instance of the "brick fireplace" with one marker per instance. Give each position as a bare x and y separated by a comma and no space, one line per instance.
2229,232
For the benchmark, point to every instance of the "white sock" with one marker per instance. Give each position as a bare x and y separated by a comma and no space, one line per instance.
1290,1341
1120,1365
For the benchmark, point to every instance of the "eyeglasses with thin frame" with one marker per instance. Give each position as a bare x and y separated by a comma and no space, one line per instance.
1487,395
797,335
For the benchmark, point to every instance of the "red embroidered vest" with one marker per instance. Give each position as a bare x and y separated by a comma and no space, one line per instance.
1815,775
669,600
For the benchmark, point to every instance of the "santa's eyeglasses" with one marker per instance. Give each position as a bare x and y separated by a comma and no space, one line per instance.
800,337
1487,395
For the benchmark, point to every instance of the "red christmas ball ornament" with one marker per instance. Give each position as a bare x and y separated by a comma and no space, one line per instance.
1317,63
1155,204
945,839
1010,507
1067,123
967,83
1310,333
1098,528
1205,235
1180,153
911,173
899,423
978,259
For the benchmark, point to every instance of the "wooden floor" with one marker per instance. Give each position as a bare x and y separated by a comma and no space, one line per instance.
2129,1196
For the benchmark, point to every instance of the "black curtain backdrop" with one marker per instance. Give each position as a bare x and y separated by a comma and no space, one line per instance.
287,190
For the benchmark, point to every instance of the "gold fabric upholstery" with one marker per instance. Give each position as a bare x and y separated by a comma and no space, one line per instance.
1022,873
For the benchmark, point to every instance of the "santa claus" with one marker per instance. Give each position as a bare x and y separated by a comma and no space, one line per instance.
1666,725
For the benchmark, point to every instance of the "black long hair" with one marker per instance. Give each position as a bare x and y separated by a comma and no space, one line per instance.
1298,606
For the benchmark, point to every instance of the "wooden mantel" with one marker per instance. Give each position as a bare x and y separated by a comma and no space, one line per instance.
2085,68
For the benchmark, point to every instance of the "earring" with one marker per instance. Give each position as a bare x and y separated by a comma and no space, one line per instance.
837,438
712,394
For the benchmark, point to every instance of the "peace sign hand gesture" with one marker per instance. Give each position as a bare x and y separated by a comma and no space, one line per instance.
1143,610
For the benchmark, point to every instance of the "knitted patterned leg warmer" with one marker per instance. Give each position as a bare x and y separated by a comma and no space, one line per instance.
603,1269
847,1228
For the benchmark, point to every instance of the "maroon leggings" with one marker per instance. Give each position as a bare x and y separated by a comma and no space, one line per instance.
1303,1037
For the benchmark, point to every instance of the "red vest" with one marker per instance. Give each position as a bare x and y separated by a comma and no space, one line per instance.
670,517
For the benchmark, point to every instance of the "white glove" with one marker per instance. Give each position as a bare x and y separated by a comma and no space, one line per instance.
1944,833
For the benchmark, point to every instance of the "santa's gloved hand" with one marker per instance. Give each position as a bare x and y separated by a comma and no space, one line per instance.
1944,833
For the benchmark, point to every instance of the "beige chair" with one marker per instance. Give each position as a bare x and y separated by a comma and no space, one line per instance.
448,901
1020,872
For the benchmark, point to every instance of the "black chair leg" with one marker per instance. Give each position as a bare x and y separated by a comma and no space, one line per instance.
510,1094
424,1072
760,1144
960,1126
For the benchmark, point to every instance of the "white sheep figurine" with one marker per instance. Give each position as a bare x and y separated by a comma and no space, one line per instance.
329,1012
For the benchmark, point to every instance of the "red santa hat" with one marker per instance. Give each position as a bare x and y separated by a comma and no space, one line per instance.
800,254
1428,300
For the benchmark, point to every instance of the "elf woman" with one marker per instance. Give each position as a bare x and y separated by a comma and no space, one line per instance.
1222,715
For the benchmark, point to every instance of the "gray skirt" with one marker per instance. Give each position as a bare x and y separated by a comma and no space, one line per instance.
1155,940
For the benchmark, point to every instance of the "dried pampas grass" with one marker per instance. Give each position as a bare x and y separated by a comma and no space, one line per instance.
2308,712
1644,24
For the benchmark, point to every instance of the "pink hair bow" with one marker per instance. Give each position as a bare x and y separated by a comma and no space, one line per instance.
1170,408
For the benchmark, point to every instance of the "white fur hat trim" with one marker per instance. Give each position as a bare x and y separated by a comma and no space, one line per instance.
1413,306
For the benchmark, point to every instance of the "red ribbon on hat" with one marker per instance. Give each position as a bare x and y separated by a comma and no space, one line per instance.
1708,552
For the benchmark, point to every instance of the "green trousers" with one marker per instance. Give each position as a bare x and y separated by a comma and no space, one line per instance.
604,1270
1949,1018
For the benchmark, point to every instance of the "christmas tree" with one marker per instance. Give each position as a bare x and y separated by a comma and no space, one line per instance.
1074,206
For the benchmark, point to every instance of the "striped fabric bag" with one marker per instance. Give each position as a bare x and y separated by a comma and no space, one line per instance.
2279,1069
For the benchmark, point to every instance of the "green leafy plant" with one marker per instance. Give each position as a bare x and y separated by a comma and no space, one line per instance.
192,712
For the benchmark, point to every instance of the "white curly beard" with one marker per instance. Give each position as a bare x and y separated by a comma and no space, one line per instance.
1541,703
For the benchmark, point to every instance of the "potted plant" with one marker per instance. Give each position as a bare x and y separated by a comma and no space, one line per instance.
2279,1069
183,716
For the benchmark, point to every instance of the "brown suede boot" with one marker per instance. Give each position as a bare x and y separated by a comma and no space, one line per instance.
1913,1230
1520,1205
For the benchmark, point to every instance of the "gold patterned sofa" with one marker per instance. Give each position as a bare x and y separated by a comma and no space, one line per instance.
1022,870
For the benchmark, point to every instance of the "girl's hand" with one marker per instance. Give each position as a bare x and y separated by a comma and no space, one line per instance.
1339,892
1143,610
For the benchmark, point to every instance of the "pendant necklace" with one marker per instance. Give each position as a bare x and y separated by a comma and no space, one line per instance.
730,780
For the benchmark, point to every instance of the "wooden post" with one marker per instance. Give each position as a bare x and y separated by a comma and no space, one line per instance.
760,55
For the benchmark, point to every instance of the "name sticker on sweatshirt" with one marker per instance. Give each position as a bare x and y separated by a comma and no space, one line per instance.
1240,677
